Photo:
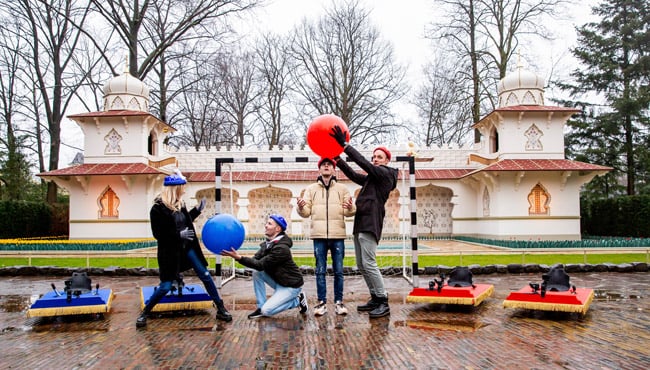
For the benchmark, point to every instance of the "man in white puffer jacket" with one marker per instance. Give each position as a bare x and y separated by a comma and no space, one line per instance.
327,203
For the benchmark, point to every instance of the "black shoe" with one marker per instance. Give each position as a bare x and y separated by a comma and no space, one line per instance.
302,299
381,310
255,314
141,321
222,313
371,305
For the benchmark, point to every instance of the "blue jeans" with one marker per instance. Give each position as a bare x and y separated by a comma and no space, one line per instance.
283,298
202,273
365,248
321,247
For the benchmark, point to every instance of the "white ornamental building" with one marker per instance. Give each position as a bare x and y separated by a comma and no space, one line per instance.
514,184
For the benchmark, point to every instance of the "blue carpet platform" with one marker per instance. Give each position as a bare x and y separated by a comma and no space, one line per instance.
56,304
192,297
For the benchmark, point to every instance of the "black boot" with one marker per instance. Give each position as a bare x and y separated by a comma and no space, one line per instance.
222,313
371,305
141,321
381,310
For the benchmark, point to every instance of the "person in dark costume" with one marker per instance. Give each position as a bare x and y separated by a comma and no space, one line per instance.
178,248
376,184
274,266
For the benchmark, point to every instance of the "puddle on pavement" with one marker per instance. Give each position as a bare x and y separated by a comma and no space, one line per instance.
453,325
445,317
609,295
14,303
94,323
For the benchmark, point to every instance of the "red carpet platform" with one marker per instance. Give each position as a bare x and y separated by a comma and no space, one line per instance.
567,301
452,295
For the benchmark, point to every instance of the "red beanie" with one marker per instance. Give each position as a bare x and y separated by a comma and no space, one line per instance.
383,149
325,159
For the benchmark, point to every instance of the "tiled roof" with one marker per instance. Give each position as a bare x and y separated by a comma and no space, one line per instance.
111,113
104,169
118,113
536,108
440,174
542,165
527,108
310,175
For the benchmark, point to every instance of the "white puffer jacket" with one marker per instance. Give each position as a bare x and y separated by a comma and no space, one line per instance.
325,206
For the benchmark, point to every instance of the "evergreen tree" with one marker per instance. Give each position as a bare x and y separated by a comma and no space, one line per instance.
14,171
615,54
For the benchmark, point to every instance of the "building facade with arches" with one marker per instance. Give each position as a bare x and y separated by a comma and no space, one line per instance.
515,183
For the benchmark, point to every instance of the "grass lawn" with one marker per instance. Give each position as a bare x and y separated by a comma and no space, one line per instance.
423,261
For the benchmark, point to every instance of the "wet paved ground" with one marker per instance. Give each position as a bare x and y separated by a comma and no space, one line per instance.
614,334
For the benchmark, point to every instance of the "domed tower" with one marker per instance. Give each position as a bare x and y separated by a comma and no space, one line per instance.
521,88
522,126
124,160
124,131
126,92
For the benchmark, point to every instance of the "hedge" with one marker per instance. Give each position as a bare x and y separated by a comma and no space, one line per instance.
626,216
24,219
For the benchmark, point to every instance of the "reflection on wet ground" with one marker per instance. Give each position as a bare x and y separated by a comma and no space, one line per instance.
614,334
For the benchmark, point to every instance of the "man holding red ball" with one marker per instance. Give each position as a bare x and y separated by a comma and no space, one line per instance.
376,186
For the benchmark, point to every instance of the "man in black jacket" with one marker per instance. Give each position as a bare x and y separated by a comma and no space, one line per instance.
376,185
274,266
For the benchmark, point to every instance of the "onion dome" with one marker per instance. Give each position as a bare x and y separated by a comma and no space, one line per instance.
126,92
521,87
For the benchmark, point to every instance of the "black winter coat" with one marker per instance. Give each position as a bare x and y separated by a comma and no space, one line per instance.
376,186
172,258
277,262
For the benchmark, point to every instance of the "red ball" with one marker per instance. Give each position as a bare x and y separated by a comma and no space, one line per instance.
318,135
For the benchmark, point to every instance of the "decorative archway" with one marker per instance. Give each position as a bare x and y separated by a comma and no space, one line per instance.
266,201
538,201
108,204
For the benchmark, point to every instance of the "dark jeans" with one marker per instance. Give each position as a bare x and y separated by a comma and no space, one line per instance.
321,247
200,270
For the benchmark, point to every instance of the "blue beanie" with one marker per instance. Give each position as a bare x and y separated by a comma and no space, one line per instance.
176,179
280,221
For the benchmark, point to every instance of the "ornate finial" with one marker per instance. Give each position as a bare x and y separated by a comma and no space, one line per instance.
126,62
412,149
519,64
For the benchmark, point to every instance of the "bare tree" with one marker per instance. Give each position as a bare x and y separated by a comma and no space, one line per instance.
238,92
487,33
164,24
275,78
441,103
345,68
14,166
459,32
53,37
199,116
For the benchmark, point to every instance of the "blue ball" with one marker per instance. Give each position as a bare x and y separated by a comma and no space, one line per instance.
222,232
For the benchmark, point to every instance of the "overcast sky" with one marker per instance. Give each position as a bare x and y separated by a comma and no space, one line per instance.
403,23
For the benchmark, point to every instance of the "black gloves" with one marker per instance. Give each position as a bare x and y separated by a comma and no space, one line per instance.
340,136
201,205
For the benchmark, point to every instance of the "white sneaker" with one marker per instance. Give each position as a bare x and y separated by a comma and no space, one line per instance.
340,309
320,309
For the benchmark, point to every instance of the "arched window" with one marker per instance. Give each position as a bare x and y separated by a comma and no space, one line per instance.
152,143
486,202
108,204
494,140
538,201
